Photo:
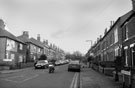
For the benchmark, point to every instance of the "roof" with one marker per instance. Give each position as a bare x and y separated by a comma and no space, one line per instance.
125,17
5,33
24,39
38,43
122,20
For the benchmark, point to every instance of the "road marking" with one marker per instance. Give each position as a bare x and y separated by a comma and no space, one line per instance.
30,78
75,84
14,77
74,81
71,86
11,79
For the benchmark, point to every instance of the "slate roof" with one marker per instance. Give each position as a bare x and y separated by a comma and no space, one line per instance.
38,43
24,39
5,33
125,17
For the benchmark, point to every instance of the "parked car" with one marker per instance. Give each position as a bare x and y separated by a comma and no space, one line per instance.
57,63
41,64
74,65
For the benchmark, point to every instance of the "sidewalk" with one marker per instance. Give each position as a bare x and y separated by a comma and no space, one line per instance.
90,78
12,71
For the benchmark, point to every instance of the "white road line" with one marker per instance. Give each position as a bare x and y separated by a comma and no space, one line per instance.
11,78
14,77
30,78
74,81
75,84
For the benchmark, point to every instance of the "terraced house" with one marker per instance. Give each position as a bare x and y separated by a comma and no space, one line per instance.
34,47
128,43
119,40
12,50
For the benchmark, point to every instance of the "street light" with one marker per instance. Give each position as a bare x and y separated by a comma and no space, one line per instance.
89,41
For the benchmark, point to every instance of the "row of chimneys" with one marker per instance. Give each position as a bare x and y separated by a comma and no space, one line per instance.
112,22
26,34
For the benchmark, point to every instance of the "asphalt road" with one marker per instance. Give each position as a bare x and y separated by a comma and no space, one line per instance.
40,78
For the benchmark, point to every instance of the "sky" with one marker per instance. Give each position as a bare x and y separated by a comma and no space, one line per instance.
66,23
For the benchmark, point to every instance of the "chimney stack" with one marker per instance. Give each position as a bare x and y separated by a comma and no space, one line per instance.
26,34
111,24
38,37
2,24
46,42
105,31
133,4
100,36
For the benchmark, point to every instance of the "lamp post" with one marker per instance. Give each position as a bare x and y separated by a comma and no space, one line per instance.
90,42
89,56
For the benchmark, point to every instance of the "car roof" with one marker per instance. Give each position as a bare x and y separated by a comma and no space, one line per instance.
74,62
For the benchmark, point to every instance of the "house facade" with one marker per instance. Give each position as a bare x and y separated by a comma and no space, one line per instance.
12,50
128,53
37,49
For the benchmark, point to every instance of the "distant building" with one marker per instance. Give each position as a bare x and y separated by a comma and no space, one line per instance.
39,48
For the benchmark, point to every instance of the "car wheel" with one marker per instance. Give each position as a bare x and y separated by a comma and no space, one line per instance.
68,69
35,67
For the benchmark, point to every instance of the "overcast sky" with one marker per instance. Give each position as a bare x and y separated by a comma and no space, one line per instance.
66,23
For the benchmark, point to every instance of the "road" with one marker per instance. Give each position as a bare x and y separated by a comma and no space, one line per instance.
40,78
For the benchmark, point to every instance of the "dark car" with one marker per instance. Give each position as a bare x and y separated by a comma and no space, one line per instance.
74,66
41,64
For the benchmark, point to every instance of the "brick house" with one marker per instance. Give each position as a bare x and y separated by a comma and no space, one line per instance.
12,50
111,42
31,47
38,48
128,44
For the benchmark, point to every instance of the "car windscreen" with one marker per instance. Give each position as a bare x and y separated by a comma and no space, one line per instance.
41,61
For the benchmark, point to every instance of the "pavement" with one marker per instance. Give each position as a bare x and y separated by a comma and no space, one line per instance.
90,78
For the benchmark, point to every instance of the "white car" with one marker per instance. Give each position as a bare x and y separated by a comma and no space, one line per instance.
41,64
57,63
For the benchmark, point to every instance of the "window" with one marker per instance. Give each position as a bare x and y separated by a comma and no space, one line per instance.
9,56
126,32
126,55
116,51
11,45
20,46
116,35
132,53
38,50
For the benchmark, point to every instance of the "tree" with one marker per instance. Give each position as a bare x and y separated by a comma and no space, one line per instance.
43,57
75,56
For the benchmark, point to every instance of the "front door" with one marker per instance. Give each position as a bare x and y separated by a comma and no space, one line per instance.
132,51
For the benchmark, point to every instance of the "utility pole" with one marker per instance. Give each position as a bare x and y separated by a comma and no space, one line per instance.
90,42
